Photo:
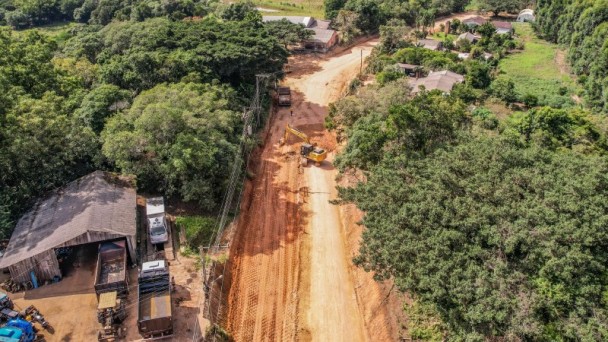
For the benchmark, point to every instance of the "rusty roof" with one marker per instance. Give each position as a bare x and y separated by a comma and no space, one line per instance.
100,202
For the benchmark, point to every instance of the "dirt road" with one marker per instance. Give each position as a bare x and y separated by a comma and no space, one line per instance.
290,275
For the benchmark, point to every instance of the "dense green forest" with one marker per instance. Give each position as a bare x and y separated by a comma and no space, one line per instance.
495,226
159,98
355,17
582,27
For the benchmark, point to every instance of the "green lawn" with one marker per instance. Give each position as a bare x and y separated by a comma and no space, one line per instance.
312,8
536,70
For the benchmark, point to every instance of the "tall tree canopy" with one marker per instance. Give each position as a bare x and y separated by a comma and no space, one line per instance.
139,55
505,242
178,139
582,26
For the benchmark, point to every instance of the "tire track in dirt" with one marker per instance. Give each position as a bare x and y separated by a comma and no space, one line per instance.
270,298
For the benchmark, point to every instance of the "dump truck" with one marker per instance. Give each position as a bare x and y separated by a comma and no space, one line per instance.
19,330
157,222
284,96
112,268
154,317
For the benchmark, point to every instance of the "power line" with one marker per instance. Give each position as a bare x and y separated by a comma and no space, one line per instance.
252,112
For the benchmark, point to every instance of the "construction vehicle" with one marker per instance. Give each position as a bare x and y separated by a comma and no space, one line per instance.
154,310
307,150
5,301
157,222
112,268
111,312
284,96
19,330
32,314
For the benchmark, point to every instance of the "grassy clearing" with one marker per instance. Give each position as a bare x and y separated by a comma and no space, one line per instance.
472,6
198,229
536,71
312,8
56,31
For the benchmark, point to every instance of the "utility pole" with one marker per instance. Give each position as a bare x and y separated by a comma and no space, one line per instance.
361,67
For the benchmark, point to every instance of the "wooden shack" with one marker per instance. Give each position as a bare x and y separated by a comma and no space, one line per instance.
97,207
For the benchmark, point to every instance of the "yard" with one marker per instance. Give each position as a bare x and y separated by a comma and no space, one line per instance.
539,70
312,8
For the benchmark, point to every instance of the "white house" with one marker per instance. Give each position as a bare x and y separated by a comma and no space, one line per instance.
526,15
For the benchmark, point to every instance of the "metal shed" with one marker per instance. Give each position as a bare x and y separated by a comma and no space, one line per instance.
97,207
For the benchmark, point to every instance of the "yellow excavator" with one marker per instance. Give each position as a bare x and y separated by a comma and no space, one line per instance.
307,150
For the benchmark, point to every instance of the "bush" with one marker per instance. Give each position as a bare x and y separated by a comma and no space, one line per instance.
504,89
198,229
485,118
18,20
530,100
388,75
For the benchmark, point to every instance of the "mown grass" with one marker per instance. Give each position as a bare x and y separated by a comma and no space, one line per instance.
312,8
198,229
535,70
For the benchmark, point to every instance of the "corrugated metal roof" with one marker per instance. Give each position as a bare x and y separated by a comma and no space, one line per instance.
100,202
322,35
442,80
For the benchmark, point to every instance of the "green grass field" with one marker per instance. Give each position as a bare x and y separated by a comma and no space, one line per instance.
312,8
536,70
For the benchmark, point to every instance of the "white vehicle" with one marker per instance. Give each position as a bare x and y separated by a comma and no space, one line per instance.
157,222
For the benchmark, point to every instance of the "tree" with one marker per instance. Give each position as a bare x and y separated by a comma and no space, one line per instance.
413,128
288,33
478,74
393,36
558,129
42,148
332,7
504,89
505,242
497,6
179,139
18,20
100,104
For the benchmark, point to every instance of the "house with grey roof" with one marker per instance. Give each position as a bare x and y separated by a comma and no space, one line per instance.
323,37
468,36
503,27
442,80
97,207
430,44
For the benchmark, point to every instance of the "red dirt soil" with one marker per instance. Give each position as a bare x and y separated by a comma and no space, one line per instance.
292,271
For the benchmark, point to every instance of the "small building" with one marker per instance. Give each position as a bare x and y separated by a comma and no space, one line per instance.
410,69
468,36
323,38
526,16
442,80
430,44
473,22
503,27
466,55
97,207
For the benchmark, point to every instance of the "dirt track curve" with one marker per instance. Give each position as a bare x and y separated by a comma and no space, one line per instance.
290,274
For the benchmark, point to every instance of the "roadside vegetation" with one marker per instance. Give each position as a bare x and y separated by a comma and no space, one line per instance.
198,230
485,205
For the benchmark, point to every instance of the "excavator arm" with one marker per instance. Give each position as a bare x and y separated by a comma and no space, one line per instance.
296,132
